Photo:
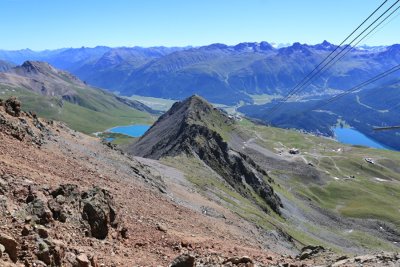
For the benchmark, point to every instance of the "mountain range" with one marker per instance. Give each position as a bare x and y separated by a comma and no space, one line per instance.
241,75
221,73
363,110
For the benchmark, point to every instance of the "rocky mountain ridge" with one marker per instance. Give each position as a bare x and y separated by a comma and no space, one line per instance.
41,78
194,127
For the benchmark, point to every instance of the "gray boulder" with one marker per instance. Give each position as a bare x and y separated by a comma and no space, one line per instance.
99,212
184,260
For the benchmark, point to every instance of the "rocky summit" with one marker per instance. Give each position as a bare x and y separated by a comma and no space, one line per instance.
195,128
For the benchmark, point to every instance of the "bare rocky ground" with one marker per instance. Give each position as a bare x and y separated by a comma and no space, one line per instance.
66,199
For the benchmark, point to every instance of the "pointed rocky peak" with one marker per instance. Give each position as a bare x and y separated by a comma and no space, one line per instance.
196,129
196,103
297,45
36,67
325,45
182,120
43,70
295,48
266,46
249,47
197,110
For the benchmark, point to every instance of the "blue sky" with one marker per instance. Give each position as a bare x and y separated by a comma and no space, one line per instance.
49,24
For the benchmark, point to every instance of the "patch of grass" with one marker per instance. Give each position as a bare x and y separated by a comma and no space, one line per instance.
363,196
118,138
154,102
95,111
263,98
208,182
371,242
216,122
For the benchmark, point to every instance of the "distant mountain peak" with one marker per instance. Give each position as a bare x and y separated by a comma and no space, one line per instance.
37,67
296,47
240,47
253,46
5,66
42,78
325,45
216,46
266,46
45,70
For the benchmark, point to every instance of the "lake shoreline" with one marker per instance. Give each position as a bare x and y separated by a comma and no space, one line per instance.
351,136
135,130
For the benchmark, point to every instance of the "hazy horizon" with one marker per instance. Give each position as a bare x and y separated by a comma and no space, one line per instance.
46,24
274,44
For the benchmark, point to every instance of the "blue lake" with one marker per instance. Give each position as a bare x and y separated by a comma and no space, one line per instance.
354,137
131,130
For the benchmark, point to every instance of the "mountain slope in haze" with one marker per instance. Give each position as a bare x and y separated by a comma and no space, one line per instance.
375,106
58,95
42,78
221,73
195,128
4,65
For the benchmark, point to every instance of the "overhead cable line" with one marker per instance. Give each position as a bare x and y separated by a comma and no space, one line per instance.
388,16
357,87
383,26
326,64
311,75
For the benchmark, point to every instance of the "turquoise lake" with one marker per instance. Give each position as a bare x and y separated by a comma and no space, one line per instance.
131,130
353,137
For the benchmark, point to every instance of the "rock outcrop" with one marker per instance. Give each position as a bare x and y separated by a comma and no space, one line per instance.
27,128
184,260
99,212
13,106
93,211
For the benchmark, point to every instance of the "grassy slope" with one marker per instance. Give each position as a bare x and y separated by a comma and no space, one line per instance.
97,111
359,197
154,102
363,196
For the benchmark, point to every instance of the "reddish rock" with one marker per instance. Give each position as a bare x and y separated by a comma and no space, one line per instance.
10,246
83,260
